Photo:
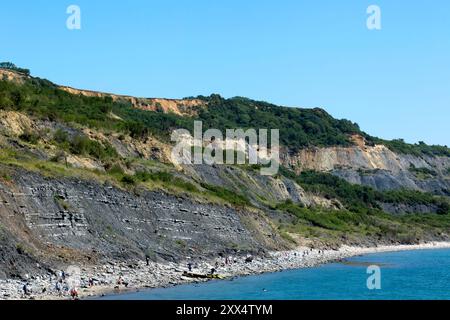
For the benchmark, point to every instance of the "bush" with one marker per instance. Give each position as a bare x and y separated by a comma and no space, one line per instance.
60,136
128,180
167,178
358,198
12,66
422,172
301,127
227,195
29,137
82,145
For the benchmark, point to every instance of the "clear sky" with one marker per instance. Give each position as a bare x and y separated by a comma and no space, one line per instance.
394,82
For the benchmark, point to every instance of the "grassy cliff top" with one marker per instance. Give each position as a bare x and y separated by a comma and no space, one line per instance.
299,127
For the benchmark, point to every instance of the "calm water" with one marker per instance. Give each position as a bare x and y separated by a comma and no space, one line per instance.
423,274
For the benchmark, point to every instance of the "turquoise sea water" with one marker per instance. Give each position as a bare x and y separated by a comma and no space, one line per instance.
423,274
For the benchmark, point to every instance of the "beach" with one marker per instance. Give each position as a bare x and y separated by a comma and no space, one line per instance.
139,276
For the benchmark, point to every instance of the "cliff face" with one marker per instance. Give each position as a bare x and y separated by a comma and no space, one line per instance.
56,208
256,187
183,107
66,220
375,166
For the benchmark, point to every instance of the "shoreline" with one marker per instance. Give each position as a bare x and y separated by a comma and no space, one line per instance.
157,275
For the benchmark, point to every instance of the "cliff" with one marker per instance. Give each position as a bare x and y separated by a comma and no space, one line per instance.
86,178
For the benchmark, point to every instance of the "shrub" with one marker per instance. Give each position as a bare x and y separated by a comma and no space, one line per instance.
29,137
81,145
128,180
60,136
227,195
422,172
115,170
358,198
167,178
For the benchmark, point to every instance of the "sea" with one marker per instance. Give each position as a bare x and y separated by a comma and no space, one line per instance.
405,275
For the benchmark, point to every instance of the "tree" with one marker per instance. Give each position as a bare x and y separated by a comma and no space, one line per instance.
12,66
16,98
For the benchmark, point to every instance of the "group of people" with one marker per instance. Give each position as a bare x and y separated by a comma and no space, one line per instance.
221,262
307,252
63,286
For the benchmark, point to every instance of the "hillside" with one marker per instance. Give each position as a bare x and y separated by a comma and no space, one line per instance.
87,176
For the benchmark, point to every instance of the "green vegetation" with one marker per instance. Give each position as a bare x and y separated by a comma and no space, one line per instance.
5,176
166,178
422,173
169,179
299,128
20,248
227,195
29,137
13,67
412,197
62,203
129,180
181,243
419,149
355,198
358,198
327,219
81,145
337,225
45,100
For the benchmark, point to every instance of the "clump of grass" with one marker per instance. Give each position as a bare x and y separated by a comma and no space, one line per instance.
82,145
166,178
227,195
5,176
422,173
62,203
181,243
128,180
21,249
29,137
286,236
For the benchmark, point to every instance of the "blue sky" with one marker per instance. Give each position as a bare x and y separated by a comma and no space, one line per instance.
394,82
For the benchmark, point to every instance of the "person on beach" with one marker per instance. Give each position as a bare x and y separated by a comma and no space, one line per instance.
26,289
147,260
189,266
58,287
120,282
74,293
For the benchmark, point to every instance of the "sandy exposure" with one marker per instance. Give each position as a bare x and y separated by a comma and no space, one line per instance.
140,276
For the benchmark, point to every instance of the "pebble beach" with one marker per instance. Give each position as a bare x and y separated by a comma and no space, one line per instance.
120,277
